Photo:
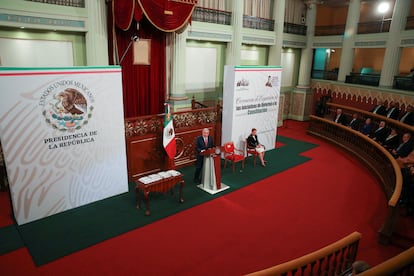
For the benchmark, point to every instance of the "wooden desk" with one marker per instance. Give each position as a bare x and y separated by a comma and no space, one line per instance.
160,186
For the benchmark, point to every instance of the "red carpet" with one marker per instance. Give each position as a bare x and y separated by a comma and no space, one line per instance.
272,221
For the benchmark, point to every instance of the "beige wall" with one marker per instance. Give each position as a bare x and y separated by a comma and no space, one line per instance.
368,57
407,60
328,16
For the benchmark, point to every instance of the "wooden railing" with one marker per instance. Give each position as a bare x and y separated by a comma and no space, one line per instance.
363,114
329,260
195,104
145,151
378,160
402,264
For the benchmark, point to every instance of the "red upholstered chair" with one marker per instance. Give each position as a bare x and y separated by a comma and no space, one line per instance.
251,151
233,155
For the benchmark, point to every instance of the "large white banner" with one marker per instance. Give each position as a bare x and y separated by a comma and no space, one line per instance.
251,100
62,133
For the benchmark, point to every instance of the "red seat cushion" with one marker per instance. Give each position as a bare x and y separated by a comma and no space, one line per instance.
235,157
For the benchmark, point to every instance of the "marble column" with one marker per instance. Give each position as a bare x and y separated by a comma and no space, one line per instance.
177,95
275,51
307,53
233,53
390,66
96,37
351,28
301,97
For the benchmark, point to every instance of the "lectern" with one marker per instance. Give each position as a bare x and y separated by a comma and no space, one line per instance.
211,175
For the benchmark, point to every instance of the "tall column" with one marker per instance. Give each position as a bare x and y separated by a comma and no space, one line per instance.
307,53
177,95
300,105
351,28
275,51
97,37
233,53
392,56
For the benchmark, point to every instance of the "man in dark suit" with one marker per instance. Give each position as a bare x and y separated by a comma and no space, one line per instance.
339,117
405,147
379,109
203,142
380,133
392,111
408,116
392,140
355,122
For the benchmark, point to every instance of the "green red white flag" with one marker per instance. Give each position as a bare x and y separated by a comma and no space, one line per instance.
169,134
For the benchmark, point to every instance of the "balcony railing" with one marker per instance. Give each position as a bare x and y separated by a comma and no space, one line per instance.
70,3
325,75
410,23
291,28
364,79
382,26
404,83
330,30
258,23
211,16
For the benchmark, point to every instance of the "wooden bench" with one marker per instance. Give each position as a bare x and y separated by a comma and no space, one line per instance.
329,260
378,160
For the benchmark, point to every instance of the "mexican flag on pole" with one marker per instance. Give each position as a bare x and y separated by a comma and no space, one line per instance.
169,134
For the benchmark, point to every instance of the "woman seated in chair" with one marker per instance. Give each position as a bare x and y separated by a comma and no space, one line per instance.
253,143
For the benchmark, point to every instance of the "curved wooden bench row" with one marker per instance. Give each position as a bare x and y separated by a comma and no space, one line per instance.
378,160
402,264
348,110
332,259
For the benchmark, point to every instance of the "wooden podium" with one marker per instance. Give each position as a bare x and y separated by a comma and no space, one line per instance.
211,175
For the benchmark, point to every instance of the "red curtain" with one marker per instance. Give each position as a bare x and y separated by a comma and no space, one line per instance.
144,86
167,15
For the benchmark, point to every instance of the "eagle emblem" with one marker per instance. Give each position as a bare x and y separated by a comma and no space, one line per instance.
68,110
72,102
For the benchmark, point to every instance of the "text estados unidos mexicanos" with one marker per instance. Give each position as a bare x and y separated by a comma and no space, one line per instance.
64,83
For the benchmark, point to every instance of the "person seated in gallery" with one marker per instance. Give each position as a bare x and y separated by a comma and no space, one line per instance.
379,109
408,116
339,117
404,148
380,133
253,143
203,142
355,122
392,140
392,111
367,127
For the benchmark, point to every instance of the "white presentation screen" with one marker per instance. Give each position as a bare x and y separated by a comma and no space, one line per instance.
35,53
62,134
251,100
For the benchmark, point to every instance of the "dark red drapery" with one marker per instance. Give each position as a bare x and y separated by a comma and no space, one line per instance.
166,15
144,86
